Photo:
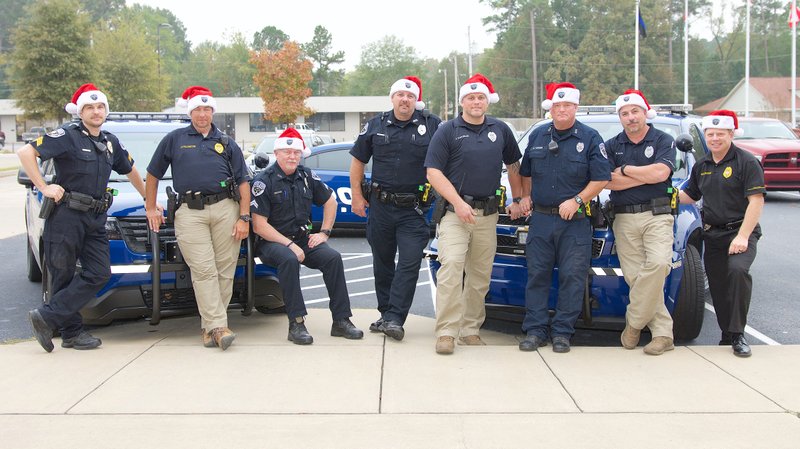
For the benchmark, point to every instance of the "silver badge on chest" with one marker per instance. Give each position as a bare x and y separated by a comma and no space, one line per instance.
648,152
421,129
579,147
492,136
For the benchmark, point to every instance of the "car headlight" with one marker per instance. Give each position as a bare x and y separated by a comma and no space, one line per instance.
112,229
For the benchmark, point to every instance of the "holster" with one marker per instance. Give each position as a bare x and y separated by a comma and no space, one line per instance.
193,200
439,209
661,205
596,214
366,188
48,204
172,204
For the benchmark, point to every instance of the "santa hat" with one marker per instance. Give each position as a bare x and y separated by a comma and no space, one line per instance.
195,96
290,139
636,98
561,92
723,119
86,94
409,84
478,84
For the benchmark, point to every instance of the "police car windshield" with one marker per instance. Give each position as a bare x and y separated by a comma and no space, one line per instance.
141,146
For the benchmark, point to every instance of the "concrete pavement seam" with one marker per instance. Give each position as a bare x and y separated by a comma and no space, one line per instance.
112,376
574,401
383,366
740,380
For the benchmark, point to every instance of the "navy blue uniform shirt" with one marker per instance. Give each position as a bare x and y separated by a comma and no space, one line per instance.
559,176
199,163
83,163
473,161
397,149
725,186
285,201
656,147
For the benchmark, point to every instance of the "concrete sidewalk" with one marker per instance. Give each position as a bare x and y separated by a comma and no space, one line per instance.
156,386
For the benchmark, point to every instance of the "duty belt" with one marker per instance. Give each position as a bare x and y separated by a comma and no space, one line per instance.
633,208
725,227
546,210
198,200
402,200
84,203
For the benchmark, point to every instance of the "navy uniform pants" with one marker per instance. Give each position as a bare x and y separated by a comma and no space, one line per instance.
390,230
553,242
729,279
321,257
71,236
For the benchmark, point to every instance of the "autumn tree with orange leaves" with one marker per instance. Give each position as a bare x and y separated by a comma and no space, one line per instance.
282,78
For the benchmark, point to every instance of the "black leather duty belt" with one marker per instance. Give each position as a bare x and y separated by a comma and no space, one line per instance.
402,200
725,227
633,208
546,210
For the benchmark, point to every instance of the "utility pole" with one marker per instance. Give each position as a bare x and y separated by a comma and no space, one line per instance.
455,85
535,108
469,50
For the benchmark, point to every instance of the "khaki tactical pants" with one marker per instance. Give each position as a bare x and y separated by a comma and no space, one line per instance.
204,237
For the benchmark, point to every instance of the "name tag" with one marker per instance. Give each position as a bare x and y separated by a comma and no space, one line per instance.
86,150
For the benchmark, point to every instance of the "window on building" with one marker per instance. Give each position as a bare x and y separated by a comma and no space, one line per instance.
364,117
226,123
327,121
258,124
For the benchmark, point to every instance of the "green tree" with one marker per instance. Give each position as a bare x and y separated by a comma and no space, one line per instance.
51,58
269,38
223,68
282,78
382,63
102,10
320,51
132,82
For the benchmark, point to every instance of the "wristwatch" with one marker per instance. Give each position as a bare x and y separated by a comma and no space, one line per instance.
579,200
245,218
517,199
326,232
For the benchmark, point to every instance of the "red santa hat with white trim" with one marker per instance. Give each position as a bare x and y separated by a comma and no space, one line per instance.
195,96
723,119
86,94
409,84
561,92
636,98
290,139
478,84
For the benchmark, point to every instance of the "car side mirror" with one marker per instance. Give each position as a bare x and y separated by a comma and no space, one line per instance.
262,160
23,178
684,143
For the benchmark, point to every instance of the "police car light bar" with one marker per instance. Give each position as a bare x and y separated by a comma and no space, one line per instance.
147,116
607,109
659,108
675,108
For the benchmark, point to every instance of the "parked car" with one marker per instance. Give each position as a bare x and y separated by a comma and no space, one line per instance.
606,293
35,131
130,291
266,146
776,146
331,163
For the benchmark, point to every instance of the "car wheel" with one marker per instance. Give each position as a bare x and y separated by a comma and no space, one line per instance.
688,314
34,273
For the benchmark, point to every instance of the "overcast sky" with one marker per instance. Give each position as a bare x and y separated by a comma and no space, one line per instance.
433,27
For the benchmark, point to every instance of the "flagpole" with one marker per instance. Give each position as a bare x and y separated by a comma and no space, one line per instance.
686,52
747,64
636,58
794,65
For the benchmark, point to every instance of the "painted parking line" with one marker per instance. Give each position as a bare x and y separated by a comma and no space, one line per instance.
360,267
758,335
349,281
371,292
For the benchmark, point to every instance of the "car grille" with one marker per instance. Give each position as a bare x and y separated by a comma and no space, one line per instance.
509,244
780,160
184,299
134,233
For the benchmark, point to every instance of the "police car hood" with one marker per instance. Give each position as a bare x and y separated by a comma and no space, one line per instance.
128,202
603,196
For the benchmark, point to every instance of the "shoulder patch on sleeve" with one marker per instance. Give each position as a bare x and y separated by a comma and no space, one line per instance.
56,133
254,203
364,129
603,150
258,188
314,175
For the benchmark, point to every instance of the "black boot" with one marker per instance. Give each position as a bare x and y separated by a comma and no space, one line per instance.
298,334
392,329
345,328
740,346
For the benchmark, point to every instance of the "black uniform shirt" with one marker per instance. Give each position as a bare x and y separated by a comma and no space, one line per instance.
286,200
557,177
199,163
656,147
473,161
83,163
725,186
397,149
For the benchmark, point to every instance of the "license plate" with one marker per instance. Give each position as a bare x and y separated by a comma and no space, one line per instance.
522,237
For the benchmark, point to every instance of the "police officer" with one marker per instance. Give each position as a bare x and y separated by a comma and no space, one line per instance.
209,174
464,164
397,141
84,156
730,182
643,159
283,194
568,166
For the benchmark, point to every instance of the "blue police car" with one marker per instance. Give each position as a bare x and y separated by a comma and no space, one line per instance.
606,293
130,291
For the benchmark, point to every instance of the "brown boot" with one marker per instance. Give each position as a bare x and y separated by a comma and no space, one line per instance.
630,337
208,339
223,337
471,340
659,345
445,345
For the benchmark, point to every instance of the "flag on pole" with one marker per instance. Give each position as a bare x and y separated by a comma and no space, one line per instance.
642,27
794,16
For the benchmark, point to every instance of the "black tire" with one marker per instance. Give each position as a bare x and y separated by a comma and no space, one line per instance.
687,317
33,271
